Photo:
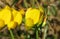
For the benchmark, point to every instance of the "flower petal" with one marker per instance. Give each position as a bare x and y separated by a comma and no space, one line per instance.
29,23
11,25
18,18
2,23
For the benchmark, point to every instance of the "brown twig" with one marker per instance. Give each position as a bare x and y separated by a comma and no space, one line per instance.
5,28
18,3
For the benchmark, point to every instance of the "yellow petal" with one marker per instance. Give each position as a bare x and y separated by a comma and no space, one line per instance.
29,23
7,7
2,23
28,10
33,14
11,25
5,14
22,12
14,12
18,18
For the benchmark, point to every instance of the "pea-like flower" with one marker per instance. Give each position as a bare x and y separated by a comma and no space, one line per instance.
32,17
17,19
10,16
34,14
35,17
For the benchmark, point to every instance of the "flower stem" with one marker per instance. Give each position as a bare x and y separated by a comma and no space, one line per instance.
37,4
45,32
11,34
36,34
33,3
28,36
25,3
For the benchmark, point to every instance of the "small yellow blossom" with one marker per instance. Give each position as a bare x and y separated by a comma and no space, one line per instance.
29,23
2,23
33,14
5,14
18,18
11,17
11,25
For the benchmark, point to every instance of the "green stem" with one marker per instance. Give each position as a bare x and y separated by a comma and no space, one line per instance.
45,32
33,3
28,36
37,34
37,4
25,3
55,36
12,36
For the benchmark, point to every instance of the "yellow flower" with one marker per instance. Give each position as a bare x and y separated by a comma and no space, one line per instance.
11,18
11,25
32,17
22,12
33,14
2,23
5,14
18,18
29,23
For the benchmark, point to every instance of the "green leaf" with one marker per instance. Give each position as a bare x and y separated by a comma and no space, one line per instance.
40,20
15,1
53,10
49,12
